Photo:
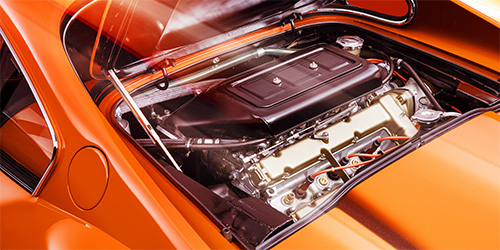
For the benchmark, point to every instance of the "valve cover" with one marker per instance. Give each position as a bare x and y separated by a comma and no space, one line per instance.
277,96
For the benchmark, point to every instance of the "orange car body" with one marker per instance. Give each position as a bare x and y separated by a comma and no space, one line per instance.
101,191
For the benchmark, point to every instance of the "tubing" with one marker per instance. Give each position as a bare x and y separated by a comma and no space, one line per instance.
145,99
229,63
201,143
382,18
422,85
391,66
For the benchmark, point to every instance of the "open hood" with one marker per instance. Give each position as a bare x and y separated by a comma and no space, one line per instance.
161,27
264,128
126,34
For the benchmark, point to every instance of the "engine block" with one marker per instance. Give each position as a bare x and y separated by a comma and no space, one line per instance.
309,110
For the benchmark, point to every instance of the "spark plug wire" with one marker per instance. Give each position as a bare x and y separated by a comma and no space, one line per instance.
374,156
340,168
400,76
363,155
374,60
379,140
393,138
456,109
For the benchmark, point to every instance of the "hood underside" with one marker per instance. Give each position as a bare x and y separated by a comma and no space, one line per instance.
122,35
127,32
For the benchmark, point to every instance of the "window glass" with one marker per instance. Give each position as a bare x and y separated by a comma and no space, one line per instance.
26,144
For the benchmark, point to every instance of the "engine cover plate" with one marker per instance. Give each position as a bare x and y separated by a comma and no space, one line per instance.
274,97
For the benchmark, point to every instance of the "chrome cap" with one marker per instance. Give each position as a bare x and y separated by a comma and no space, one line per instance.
350,42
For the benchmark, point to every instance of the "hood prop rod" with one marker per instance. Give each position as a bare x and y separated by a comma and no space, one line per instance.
155,138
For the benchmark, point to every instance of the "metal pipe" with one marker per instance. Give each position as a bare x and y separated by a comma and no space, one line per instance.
202,143
387,19
388,77
145,99
155,138
229,63
422,85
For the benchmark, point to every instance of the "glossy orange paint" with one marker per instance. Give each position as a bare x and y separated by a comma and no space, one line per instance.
489,10
335,230
31,223
140,208
89,165
427,209
133,200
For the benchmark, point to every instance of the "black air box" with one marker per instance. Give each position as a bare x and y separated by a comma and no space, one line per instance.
274,97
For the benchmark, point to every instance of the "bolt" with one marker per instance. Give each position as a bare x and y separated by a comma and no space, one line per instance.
290,211
288,199
216,60
318,195
277,80
424,101
323,181
262,184
400,99
370,98
286,175
313,65
322,157
325,137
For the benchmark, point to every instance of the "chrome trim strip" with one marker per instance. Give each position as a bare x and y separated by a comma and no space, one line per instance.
412,10
45,175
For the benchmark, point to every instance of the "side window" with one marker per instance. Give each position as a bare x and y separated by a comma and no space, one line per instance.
26,143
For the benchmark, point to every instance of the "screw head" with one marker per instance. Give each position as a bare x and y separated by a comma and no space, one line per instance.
323,181
277,80
288,199
313,65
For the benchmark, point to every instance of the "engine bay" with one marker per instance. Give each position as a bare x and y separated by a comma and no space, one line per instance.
290,122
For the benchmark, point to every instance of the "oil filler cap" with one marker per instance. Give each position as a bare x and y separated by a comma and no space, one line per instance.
351,44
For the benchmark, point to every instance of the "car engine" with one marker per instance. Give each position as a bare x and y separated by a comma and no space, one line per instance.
262,116
312,107
289,131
